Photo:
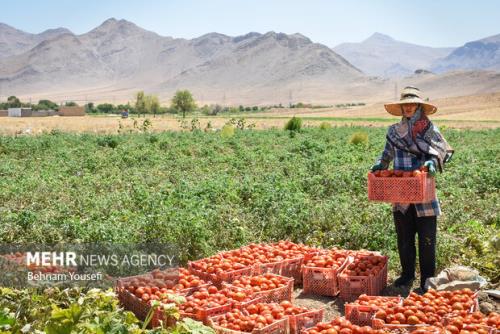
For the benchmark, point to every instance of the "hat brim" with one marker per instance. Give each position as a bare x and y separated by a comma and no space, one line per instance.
394,108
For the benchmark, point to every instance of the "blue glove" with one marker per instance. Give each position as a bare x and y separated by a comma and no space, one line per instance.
378,166
431,167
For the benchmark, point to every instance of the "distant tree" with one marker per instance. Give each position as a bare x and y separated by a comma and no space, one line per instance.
216,109
140,103
248,109
71,104
105,108
127,106
241,108
46,104
255,108
90,108
206,110
183,101
13,102
152,104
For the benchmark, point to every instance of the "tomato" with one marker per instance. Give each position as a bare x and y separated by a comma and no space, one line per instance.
262,282
412,320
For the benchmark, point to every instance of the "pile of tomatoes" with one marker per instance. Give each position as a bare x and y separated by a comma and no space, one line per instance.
328,259
429,308
264,282
472,322
266,253
342,326
493,320
365,264
442,302
376,302
406,315
399,173
212,297
217,264
291,309
292,249
159,283
254,316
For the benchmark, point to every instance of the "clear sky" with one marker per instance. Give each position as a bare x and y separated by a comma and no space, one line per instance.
425,22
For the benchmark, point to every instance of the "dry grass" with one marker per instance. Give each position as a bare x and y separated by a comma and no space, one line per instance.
475,112
476,107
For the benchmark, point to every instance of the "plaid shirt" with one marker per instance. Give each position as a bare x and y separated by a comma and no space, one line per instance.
408,161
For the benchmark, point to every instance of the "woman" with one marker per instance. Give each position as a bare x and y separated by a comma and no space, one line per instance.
412,143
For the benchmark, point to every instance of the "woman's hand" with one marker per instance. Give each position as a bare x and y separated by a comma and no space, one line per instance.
431,167
378,166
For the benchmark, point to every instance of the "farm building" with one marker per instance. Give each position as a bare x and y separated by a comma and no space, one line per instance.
4,113
71,111
27,112
20,112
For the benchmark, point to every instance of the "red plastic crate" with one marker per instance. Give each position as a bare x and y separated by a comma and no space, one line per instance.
351,287
240,305
322,281
204,315
133,303
124,281
274,295
305,320
278,327
141,309
362,315
272,267
417,189
293,268
277,295
392,328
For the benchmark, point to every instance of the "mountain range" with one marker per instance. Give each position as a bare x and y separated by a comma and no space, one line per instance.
118,58
381,55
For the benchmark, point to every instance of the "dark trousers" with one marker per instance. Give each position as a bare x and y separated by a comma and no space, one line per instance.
408,225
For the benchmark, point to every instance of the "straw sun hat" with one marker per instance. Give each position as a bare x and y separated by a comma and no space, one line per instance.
409,95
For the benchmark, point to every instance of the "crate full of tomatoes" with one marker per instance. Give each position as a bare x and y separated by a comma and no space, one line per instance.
136,293
398,186
362,310
269,287
431,308
267,318
320,272
341,326
221,268
365,273
261,318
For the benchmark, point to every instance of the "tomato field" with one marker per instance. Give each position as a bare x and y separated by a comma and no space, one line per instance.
207,193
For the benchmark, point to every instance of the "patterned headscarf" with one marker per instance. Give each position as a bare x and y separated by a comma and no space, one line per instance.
419,136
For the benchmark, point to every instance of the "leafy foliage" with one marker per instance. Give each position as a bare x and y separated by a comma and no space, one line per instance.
325,126
55,311
206,193
359,138
294,124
